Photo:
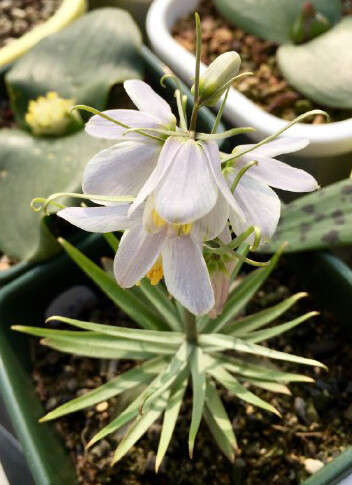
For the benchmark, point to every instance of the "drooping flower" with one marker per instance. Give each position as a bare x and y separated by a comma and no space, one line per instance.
124,168
259,203
154,248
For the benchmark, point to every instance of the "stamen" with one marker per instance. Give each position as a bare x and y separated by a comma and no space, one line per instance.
156,273
158,221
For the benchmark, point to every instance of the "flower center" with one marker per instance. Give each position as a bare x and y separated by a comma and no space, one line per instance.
156,273
179,228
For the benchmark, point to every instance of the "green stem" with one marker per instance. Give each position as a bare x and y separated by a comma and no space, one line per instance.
197,74
190,327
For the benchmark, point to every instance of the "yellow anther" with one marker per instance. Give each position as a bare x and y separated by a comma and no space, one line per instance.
158,221
50,114
156,273
182,228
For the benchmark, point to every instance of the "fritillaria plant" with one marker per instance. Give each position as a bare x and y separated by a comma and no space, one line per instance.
189,216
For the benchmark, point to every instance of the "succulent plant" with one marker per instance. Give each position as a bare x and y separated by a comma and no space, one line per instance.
315,56
65,64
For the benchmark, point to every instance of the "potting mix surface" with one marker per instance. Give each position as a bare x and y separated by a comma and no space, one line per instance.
316,424
267,87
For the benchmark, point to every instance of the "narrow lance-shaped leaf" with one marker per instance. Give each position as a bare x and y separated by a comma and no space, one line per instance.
199,388
275,387
172,410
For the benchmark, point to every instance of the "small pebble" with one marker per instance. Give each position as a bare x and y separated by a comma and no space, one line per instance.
102,406
312,466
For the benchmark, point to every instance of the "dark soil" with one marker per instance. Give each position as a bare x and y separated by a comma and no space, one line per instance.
17,17
267,87
315,428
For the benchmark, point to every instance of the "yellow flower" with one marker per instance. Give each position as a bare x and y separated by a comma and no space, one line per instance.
50,115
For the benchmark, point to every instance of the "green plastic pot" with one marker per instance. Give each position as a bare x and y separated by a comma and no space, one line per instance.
24,302
154,70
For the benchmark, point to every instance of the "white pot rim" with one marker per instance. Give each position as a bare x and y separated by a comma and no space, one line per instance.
325,140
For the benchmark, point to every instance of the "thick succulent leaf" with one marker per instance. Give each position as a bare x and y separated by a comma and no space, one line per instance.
81,63
125,299
218,422
321,69
32,167
158,297
220,374
261,372
270,386
239,298
253,322
262,335
140,426
197,365
226,342
320,220
165,338
272,19
124,382
172,410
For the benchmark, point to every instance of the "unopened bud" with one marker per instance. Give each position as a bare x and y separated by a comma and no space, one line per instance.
218,77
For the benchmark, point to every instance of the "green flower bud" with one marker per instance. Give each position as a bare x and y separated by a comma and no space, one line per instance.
218,77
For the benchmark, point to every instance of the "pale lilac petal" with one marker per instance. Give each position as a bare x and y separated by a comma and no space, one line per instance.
221,281
278,174
278,147
148,101
99,219
137,253
102,128
167,154
225,235
211,225
212,151
188,190
120,170
186,274
260,205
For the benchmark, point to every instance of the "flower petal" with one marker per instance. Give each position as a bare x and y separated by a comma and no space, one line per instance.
186,274
99,219
260,205
278,147
278,174
212,224
188,190
148,101
167,154
212,151
102,128
137,253
120,170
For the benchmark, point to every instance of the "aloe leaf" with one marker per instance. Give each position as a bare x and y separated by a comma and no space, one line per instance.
243,294
154,336
140,426
172,410
226,342
67,62
158,297
219,422
197,364
253,322
253,371
273,19
119,384
321,68
319,220
169,374
220,374
275,387
262,335
31,167
125,299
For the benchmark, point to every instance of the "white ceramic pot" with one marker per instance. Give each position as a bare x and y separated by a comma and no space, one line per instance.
325,140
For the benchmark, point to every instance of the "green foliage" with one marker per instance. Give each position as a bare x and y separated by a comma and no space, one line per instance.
273,19
30,166
321,69
171,363
319,220
82,62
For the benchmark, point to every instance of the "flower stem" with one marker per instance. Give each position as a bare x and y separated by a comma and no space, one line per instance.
197,74
190,327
